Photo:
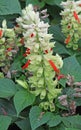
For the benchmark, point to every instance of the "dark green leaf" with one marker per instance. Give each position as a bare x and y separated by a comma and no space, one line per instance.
54,121
56,31
72,122
4,122
36,3
24,124
60,49
59,127
7,108
38,118
52,2
7,88
71,129
22,100
9,7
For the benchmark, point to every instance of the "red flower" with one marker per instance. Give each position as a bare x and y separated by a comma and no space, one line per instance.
22,40
54,66
32,35
76,16
79,5
26,64
69,26
9,49
46,51
60,76
1,33
17,25
67,40
27,52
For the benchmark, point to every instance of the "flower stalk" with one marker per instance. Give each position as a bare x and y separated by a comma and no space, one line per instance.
40,62
71,23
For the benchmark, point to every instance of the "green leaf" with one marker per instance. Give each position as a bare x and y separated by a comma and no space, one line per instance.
40,128
71,129
54,121
56,31
6,107
22,83
35,3
24,124
72,67
4,122
52,2
72,122
60,49
7,88
37,117
23,99
9,7
58,127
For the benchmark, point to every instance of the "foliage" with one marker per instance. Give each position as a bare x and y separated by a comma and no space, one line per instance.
24,101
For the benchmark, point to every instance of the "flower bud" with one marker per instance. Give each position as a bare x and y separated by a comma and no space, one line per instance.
42,94
46,105
52,107
22,83
41,82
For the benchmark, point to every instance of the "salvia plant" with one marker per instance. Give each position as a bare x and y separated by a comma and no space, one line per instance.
40,62
71,22
40,84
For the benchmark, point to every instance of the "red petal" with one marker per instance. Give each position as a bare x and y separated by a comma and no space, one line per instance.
60,76
67,40
1,33
26,65
9,49
76,16
54,66
17,25
69,26
46,51
79,5
22,40
25,54
32,35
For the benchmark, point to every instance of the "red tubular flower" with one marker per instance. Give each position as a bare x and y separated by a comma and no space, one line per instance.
1,33
61,76
54,66
17,25
67,40
32,35
79,5
22,40
46,51
76,16
51,49
9,49
26,64
27,52
69,26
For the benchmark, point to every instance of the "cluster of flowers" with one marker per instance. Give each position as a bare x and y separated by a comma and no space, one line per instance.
71,22
40,62
7,37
